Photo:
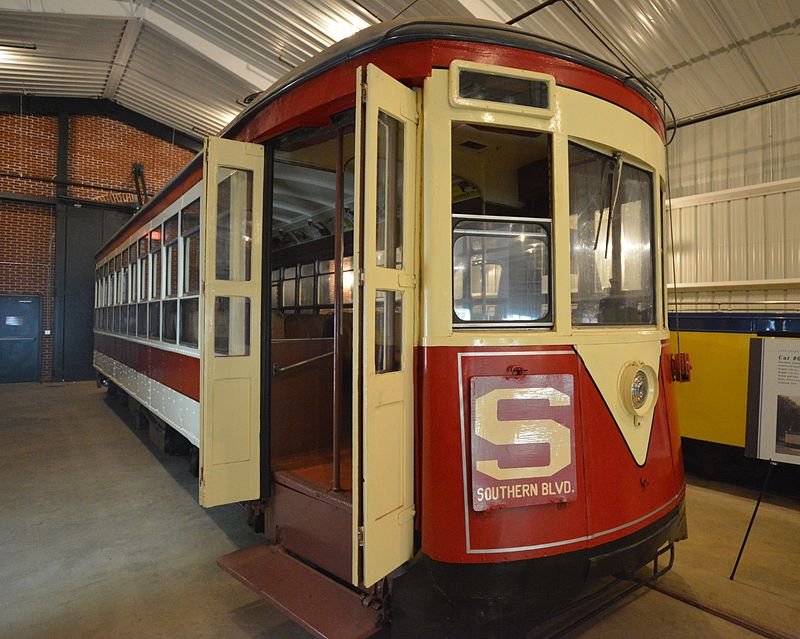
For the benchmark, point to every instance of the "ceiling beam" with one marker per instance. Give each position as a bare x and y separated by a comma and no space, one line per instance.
127,42
118,9
227,60
89,8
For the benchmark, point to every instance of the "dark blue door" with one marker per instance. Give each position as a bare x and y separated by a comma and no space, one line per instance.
20,323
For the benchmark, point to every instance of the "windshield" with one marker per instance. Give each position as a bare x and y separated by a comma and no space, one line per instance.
611,238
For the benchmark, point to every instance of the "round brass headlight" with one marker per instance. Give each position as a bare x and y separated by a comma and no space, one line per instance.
638,386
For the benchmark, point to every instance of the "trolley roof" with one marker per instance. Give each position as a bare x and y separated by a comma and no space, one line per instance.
405,30
371,40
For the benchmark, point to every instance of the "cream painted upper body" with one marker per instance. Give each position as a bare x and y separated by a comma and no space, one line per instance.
575,116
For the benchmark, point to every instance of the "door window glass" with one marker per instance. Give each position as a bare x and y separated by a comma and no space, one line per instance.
231,326
234,224
388,331
389,198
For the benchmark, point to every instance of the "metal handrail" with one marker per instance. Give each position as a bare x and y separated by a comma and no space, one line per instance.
277,368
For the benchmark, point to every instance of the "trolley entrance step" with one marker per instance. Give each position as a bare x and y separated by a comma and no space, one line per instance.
322,606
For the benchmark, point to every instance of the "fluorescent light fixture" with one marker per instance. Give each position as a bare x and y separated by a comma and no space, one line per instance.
14,44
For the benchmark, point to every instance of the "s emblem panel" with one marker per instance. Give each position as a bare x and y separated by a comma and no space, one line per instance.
523,441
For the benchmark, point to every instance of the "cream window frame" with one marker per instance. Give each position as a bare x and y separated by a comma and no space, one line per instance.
456,66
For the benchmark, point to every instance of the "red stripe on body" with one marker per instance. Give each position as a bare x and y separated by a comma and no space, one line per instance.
175,370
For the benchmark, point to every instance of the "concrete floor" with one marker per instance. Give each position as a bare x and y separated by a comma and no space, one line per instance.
100,536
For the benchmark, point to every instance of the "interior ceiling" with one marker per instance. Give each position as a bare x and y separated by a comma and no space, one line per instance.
190,63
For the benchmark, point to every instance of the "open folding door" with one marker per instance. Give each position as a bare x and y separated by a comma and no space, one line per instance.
230,349
384,314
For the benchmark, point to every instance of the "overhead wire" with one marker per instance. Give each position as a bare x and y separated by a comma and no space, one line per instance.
404,9
530,12
662,105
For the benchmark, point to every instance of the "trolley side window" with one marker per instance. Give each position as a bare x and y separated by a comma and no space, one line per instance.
169,331
611,238
144,293
190,288
154,330
501,211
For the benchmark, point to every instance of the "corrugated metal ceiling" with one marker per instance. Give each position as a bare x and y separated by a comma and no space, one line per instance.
193,61
178,86
72,58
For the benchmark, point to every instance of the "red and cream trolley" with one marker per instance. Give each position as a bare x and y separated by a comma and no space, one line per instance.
409,308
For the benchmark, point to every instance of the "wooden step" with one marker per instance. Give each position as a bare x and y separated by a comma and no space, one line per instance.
322,606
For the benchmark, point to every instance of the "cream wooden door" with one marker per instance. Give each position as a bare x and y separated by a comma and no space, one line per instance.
230,352
385,306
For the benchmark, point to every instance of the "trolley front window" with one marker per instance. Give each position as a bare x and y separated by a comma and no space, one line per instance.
501,272
611,236
502,213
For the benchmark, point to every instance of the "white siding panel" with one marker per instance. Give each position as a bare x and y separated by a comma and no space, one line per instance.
785,137
791,236
757,155
757,145
738,241
720,241
738,249
774,219
755,239
704,226
737,141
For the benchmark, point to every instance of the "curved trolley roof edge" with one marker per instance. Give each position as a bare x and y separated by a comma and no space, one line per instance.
405,30
373,39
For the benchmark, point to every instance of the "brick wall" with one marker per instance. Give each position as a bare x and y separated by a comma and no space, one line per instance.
101,152
104,150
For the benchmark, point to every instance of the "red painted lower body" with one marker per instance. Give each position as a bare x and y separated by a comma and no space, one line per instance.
613,496
175,370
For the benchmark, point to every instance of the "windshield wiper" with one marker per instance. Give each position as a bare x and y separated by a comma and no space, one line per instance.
616,180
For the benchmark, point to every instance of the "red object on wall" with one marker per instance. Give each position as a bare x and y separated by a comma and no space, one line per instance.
681,367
